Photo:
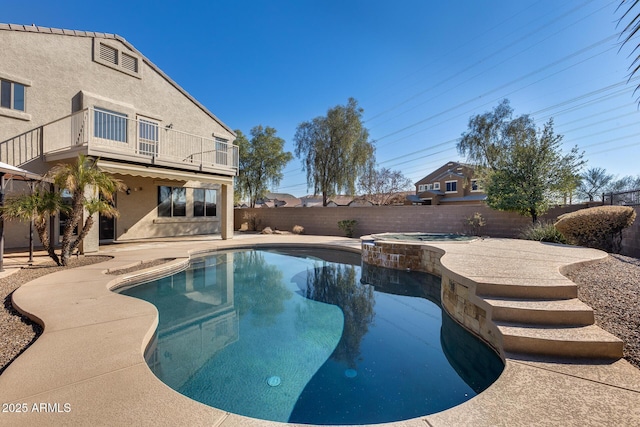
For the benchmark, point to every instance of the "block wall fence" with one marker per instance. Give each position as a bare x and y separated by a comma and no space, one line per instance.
435,219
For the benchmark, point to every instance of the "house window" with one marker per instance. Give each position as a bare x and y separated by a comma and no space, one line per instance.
451,186
436,185
204,202
110,125
12,95
147,137
474,185
421,187
172,201
429,186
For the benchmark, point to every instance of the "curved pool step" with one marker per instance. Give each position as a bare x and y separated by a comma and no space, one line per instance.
563,312
562,290
577,342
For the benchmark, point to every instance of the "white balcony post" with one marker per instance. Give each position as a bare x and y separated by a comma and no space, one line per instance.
201,152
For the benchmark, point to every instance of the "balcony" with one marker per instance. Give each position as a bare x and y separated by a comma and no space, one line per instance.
109,135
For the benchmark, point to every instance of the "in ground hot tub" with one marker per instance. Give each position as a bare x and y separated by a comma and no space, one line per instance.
423,237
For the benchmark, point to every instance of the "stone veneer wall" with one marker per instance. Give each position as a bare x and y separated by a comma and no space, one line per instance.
465,307
459,300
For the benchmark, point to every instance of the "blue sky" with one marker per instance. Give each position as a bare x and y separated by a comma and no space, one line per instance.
419,68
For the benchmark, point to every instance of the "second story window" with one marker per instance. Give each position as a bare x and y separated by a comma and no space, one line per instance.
12,95
474,185
452,186
436,185
110,125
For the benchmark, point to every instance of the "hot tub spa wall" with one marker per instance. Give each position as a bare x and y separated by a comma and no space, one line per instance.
458,299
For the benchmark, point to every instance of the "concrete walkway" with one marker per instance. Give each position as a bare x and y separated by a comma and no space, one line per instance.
88,367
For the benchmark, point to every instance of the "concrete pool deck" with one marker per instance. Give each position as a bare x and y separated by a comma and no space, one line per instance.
88,368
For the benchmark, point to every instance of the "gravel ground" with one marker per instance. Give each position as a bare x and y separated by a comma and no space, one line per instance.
17,332
611,287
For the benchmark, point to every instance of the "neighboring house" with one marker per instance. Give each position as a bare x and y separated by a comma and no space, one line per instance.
311,201
339,200
334,201
452,183
359,202
278,200
66,92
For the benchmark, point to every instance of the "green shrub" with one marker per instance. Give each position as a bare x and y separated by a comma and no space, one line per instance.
348,226
542,231
600,227
252,221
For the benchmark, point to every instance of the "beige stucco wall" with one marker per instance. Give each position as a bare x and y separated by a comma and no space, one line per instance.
139,218
62,77
60,67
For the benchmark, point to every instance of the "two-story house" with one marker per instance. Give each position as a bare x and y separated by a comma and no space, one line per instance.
452,183
66,92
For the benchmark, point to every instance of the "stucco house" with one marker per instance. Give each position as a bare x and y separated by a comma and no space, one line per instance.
278,200
66,92
452,183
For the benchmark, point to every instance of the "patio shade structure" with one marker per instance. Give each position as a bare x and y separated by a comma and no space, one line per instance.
8,173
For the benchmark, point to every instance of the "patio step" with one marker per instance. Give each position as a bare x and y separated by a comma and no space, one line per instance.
563,290
576,342
567,312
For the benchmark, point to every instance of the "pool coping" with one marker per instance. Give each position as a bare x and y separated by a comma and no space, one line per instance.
90,355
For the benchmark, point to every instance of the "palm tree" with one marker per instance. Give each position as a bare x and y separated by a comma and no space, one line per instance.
79,178
631,21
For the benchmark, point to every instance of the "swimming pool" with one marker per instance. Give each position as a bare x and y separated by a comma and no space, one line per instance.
309,336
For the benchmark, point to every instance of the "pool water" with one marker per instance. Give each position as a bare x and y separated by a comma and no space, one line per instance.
310,336
424,237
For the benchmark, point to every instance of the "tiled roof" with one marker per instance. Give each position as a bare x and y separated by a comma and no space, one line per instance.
79,33
470,198
431,193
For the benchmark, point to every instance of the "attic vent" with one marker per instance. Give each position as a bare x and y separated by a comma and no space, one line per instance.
108,54
129,63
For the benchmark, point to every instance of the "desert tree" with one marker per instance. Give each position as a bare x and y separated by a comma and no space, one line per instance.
335,149
380,186
593,182
261,162
523,168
